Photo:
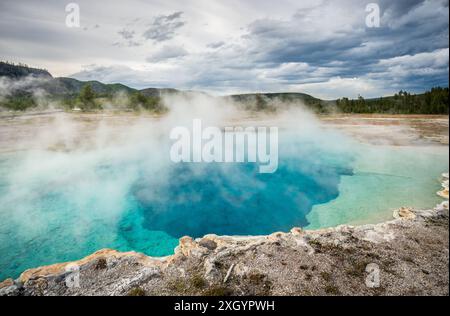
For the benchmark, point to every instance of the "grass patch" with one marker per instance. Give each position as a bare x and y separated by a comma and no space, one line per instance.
137,291
332,290
217,290
358,270
326,276
197,281
178,286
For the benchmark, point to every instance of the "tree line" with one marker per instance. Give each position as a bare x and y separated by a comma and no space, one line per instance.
86,100
13,70
89,100
434,101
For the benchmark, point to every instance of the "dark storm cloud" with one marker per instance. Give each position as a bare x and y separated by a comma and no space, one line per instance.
400,34
407,28
399,7
163,27
319,45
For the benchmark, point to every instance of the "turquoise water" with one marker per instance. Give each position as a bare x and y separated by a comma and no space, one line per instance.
61,206
384,179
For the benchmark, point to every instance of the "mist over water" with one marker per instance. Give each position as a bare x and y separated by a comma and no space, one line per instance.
83,183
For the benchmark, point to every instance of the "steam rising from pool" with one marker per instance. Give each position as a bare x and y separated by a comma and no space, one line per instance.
83,184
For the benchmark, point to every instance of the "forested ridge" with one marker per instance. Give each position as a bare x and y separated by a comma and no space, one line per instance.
93,95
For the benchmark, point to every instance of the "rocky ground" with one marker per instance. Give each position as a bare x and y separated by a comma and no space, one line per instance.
406,256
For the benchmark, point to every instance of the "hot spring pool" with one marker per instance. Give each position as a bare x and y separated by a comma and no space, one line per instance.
59,206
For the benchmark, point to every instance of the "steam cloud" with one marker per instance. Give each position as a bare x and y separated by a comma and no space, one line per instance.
79,180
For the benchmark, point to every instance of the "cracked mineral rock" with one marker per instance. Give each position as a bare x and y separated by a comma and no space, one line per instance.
411,252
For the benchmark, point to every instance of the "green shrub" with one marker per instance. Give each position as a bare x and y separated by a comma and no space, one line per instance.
136,291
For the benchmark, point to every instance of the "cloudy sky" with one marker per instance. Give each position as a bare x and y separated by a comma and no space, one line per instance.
321,47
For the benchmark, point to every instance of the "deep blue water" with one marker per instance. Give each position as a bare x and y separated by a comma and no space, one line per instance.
236,199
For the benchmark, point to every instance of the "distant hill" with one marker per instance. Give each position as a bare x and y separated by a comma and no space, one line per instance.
65,87
158,92
69,87
155,92
269,101
434,101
